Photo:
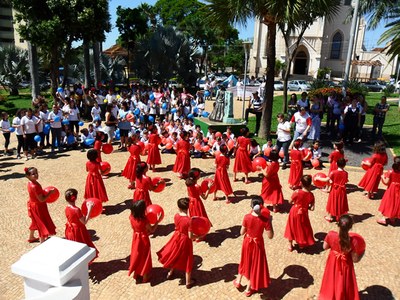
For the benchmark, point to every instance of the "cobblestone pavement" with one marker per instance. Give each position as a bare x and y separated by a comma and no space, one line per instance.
296,275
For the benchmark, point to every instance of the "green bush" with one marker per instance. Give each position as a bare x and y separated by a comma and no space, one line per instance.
389,90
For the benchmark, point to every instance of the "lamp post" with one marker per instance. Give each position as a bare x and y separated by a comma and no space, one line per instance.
246,47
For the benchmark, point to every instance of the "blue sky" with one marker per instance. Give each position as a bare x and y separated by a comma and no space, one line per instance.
370,41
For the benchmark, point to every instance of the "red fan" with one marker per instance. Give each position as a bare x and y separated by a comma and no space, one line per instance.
105,168
154,213
208,184
231,144
54,196
315,162
319,183
387,175
307,154
218,134
358,243
96,209
259,163
364,165
161,185
267,151
200,226
169,146
281,154
107,148
197,146
206,148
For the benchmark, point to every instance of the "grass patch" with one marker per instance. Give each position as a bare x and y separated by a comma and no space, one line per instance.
11,104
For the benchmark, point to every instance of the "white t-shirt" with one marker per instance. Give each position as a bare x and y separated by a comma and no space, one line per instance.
96,112
301,121
72,113
17,122
100,99
52,115
282,135
30,124
5,125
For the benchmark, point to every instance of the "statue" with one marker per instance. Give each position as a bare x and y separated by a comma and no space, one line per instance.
219,107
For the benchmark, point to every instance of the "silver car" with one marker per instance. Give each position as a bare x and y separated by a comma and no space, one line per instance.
298,85
278,85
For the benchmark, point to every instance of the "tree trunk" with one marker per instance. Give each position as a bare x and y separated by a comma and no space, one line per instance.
285,84
54,61
265,126
33,69
86,62
96,64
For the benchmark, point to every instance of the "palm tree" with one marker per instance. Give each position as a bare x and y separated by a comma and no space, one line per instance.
14,67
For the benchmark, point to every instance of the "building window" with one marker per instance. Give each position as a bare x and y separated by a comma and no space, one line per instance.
336,49
21,41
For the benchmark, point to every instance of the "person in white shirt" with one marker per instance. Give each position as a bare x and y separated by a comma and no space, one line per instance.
303,124
96,112
18,130
29,129
5,128
283,138
257,104
55,117
72,112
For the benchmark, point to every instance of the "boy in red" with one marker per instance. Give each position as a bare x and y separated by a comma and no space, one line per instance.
221,179
298,226
182,162
133,160
390,204
242,157
371,178
94,182
271,189
140,260
337,201
154,157
75,229
339,281
296,165
37,208
253,261
177,254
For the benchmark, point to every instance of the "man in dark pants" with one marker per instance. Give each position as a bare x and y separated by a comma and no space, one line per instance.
257,103
380,111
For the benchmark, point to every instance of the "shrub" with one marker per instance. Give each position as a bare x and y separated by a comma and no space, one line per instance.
390,89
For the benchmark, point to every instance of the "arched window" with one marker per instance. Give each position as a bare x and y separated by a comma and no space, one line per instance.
337,41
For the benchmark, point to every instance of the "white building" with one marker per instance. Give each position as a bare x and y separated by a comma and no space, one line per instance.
9,35
324,44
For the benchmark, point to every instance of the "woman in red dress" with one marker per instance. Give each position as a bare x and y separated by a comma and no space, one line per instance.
271,189
94,182
339,281
253,261
298,226
221,179
143,184
154,156
196,206
371,178
140,261
133,160
177,254
337,204
182,162
296,165
75,228
37,208
390,204
242,157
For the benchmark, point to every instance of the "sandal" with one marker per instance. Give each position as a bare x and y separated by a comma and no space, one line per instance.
290,248
191,283
382,222
247,181
329,219
237,284
249,292
34,240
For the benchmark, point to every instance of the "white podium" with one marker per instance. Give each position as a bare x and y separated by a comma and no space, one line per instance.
56,269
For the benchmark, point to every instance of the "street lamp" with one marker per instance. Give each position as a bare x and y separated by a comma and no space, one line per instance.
246,47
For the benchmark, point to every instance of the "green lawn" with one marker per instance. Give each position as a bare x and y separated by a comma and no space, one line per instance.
11,104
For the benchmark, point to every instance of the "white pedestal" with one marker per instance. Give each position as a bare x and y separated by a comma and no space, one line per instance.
56,269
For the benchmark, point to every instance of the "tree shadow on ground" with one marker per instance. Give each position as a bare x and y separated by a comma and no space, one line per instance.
215,239
163,230
279,287
116,209
361,218
376,292
316,248
102,270
54,156
93,235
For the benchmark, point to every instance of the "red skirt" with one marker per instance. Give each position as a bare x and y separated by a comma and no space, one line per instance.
154,156
242,162
41,220
371,178
296,172
140,261
298,227
222,182
95,187
197,209
130,168
141,194
337,204
390,204
271,191
182,162
80,234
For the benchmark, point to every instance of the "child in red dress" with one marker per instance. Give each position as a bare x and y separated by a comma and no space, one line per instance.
298,226
242,157
182,162
390,204
271,189
335,155
75,229
339,281
37,208
337,204
143,184
371,178
154,156
196,206
221,179
253,261
296,165
133,160
177,254
140,261
98,143
94,182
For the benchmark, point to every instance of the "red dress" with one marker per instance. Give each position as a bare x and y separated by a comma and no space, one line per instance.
75,230
242,160
337,204
178,252
221,178
97,146
296,167
339,281
271,190
38,212
298,226
94,182
133,160
196,206
154,157
143,185
390,204
182,162
140,262
372,177
253,261
333,158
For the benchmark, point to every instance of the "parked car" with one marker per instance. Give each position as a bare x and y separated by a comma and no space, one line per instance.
24,84
173,83
278,85
375,85
298,85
